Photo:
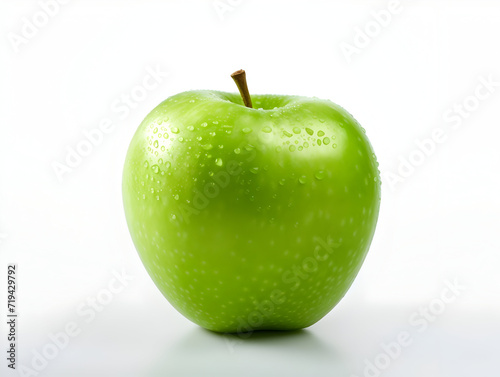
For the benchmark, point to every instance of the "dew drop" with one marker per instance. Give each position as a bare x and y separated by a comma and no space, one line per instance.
326,140
204,124
207,147
321,133
165,135
146,164
155,130
334,145
267,129
218,161
291,148
320,175
309,131
296,130
190,128
237,151
155,168
303,179
176,197
254,170
175,130
287,134
246,130
155,144
278,149
282,181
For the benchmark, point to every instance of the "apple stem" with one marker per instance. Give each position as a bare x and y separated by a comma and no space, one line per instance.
240,79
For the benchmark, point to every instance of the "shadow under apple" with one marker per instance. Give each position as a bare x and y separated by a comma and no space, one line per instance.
265,353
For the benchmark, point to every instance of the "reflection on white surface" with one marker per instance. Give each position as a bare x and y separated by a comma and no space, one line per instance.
355,340
202,353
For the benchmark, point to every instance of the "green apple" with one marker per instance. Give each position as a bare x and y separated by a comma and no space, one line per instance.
251,218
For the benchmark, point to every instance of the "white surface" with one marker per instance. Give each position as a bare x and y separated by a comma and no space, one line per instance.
439,225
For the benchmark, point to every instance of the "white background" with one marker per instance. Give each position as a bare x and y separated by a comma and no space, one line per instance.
437,226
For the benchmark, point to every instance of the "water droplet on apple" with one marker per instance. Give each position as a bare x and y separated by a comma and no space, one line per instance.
321,120
237,151
278,149
146,164
306,144
291,148
190,128
282,181
287,134
155,144
326,140
249,147
167,164
176,197
204,124
155,130
296,130
334,145
215,122
320,175
309,131
267,129
207,147
162,148
300,148
321,133
303,179
246,130
218,161
175,130
318,142
254,170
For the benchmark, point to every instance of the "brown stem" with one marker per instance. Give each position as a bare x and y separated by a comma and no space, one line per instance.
240,79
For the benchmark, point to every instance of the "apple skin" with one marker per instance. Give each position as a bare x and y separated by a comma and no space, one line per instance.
251,219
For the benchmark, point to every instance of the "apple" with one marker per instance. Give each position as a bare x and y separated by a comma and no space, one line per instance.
251,218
